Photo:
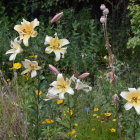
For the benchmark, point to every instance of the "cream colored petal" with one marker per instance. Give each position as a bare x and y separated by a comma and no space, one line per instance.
61,96
57,54
33,73
54,83
128,106
26,63
18,28
38,68
25,71
131,89
10,51
12,57
25,22
70,91
48,50
34,34
60,77
124,94
53,91
64,42
25,40
35,23
47,40
137,107
63,51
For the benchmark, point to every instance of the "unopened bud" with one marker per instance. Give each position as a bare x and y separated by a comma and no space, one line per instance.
115,99
56,17
102,7
105,11
83,75
103,19
53,69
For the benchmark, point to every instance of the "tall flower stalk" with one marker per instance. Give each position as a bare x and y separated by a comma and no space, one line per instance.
112,68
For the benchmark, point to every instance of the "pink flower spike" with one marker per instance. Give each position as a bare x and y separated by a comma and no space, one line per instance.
83,75
56,17
53,69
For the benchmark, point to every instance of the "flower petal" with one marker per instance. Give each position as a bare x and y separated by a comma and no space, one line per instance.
132,89
54,83
25,71
137,107
48,50
35,23
60,77
26,63
61,96
10,51
25,40
33,73
12,57
57,54
128,106
70,91
124,94
53,91
47,40
64,42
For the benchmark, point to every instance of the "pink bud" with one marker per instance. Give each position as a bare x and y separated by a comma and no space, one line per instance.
56,17
102,7
53,69
83,75
106,11
103,19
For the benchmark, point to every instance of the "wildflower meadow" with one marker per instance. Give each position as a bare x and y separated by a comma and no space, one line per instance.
70,70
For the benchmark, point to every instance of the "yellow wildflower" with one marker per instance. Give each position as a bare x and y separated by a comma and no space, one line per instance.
107,114
49,121
114,120
75,124
38,92
60,101
17,65
72,132
93,129
94,115
96,109
70,112
26,76
33,56
113,130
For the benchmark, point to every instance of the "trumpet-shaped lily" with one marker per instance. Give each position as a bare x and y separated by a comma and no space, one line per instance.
16,49
80,85
30,66
61,86
26,30
55,45
133,98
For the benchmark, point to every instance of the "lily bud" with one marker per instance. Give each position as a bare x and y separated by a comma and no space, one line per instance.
56,17
83,75
53,69
115,99
106,11
102,7
103,19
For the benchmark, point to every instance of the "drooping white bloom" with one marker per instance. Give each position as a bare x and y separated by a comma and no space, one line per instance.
60,87
55,45
16,49
133,98
30,66
81,85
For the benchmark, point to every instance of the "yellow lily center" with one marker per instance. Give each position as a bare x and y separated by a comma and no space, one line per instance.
55,44
62,86
134,97
33,66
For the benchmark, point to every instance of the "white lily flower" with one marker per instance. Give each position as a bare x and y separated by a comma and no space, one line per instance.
60,87
80,85
26,30
133,98
55,45
16,49
31,66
